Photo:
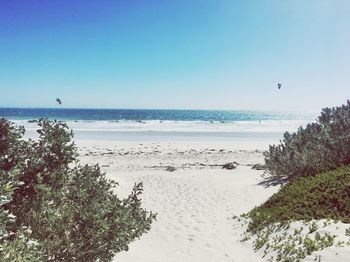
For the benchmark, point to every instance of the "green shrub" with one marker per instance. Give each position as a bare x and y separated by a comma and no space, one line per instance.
61,211
320,146
13,246
323,196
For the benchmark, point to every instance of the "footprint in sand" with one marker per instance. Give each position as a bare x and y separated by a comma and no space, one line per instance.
196,229
191,237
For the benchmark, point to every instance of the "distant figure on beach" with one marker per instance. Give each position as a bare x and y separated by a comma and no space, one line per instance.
279,85
58,101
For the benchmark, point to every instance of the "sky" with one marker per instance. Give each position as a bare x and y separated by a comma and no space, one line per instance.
198,54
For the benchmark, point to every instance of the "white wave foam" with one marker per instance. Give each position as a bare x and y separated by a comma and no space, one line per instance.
179,126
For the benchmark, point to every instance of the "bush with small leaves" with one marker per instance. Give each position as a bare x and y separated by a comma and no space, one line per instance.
320,146
56,210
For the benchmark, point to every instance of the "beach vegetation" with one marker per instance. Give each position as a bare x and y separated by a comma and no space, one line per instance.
323,196
54,209
313,166
280,244
320,146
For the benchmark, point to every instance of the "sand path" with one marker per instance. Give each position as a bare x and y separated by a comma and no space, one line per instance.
195,204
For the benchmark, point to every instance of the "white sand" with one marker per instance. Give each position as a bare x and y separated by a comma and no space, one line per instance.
195,203
339,251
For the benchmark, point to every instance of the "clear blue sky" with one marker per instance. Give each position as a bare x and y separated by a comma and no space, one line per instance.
209,54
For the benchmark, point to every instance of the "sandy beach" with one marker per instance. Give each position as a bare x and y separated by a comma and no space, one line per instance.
184,97
234,116
194,196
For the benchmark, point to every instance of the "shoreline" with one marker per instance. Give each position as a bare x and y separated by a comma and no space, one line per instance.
176,136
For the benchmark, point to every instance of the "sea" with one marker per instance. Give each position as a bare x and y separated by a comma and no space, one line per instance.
167,124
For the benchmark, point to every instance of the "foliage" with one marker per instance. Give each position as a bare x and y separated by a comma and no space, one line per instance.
56,210
315,161
19,246
323,196
320,146
291,242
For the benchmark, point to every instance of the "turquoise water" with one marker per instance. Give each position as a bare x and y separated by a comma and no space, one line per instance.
155,125
146,114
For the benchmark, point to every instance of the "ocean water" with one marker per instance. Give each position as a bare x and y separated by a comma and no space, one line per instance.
138,124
